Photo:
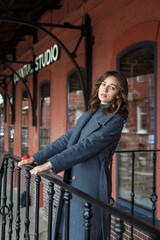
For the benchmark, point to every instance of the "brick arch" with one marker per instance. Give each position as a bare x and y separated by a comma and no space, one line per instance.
148,31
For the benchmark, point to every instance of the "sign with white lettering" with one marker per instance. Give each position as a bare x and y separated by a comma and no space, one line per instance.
43,60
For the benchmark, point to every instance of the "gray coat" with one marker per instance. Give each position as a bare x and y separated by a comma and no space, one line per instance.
85,161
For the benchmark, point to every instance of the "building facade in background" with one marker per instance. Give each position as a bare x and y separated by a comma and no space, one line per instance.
126,37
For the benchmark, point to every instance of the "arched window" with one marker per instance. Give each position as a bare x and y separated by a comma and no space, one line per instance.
1,122
24,128
44,117
138,64
75,103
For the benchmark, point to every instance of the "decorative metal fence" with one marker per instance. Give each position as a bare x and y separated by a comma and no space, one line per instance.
6,210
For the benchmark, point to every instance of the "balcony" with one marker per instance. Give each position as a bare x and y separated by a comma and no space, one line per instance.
123,224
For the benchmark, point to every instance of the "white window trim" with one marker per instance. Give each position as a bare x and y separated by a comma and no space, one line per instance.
125,129
139,114
139,78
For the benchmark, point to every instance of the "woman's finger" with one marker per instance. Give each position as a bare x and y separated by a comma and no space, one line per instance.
25,161
40,168
36,170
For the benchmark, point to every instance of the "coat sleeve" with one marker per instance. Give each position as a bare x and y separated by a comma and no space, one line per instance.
106,136
52,149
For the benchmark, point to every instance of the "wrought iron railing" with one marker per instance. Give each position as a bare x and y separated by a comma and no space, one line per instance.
6,211
153,197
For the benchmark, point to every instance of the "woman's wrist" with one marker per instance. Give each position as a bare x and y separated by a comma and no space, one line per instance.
47,165
34,161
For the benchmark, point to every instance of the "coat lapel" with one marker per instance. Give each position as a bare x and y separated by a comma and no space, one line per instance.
96,124
80,123
105,118
102,120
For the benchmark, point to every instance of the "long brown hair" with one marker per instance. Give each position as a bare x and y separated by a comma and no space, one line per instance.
118,105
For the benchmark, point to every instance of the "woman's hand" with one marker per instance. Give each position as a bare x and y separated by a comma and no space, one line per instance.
26,161
41,168
35,170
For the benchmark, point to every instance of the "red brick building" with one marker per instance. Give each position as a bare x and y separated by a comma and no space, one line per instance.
125,37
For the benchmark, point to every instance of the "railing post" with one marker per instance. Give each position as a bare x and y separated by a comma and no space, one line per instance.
27,221
18,220
4,206
50,208
67,198
132,192
119,228
1,175
36,234
87,219
11,201
154,196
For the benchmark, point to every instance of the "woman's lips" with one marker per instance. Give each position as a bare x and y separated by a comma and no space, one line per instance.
103,95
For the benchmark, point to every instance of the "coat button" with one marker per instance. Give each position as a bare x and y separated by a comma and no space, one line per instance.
73,177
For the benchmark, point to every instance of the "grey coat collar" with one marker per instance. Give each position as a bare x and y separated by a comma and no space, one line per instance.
101,121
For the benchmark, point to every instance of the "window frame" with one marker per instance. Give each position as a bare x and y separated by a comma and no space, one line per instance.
140,114
23,92
40,116
68,79
126,204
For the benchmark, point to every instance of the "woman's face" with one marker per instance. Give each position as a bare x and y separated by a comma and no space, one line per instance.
108,90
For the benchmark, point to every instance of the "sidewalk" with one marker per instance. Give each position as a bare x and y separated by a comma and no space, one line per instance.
42,222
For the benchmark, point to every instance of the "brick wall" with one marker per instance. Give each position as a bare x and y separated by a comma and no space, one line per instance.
116,25
137,233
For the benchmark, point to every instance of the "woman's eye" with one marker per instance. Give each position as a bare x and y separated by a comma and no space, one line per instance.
112,87
109,87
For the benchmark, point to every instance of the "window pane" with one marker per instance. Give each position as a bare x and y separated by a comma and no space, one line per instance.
138,67
44,135
75,99
1,122
24,133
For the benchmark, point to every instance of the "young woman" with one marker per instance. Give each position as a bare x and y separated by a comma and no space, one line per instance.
85,153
